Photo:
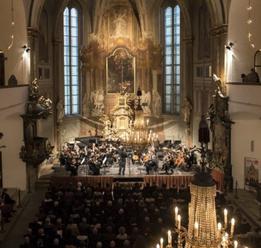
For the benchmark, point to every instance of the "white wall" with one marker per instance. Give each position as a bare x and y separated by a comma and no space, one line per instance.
12,105
16,63
242,58
245,111
245,100
243,132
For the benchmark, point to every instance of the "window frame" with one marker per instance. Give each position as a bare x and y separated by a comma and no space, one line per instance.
174,106
71,112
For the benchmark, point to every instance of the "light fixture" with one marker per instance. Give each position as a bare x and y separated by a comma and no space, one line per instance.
26,48
203,229
229,45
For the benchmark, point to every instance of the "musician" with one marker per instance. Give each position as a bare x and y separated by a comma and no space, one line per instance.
94,165
122,163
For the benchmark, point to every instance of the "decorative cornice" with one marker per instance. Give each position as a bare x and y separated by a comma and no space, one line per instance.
219,30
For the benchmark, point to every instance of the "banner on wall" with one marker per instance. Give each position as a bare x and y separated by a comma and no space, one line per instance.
251,173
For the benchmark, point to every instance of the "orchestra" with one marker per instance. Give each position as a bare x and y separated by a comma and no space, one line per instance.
82,159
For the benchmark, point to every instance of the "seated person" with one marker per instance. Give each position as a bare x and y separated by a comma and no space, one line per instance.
251,77
6,198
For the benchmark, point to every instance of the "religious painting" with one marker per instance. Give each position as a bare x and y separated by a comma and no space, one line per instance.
120,72
251,173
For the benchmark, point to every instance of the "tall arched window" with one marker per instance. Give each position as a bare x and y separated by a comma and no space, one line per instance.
172,59
71,61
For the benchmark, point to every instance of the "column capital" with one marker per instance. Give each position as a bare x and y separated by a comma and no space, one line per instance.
32,32
219,30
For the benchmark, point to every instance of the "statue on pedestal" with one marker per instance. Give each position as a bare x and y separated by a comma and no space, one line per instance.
97,100
156,103
186,111
145,102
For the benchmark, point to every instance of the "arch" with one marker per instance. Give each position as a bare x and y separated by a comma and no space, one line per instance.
218,12
184,12
35,13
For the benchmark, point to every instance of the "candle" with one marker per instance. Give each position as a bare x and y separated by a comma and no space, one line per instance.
176,214
161,243
232,227
225,217
219,226
169,237
235,244
196,226
179,222
157,246
147,122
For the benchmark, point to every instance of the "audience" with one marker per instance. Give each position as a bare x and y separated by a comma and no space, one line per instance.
96,217
6,206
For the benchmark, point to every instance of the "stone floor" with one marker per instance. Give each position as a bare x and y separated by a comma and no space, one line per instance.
247,203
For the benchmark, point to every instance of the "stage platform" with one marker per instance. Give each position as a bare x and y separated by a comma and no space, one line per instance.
109,177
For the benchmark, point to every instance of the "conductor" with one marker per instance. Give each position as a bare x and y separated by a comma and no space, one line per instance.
123,155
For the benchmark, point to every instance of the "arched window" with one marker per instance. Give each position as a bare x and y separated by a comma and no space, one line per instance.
172,81
71,61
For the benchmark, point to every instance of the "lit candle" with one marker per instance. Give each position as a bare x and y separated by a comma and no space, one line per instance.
157,246
179,222
232,227
196,229
176,214
147,122
219,226
161,243
235,244
225,217
169,237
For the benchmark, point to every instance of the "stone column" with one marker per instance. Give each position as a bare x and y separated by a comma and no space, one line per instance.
31,177
187,77
57,86
32,43
219,35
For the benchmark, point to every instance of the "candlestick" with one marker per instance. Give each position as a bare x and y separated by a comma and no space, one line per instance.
225,217
169,237
161,243
232,227
196,226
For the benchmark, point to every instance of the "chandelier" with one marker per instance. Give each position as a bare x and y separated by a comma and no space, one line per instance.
203,230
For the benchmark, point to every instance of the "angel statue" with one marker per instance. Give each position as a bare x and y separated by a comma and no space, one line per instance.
220,86
34,90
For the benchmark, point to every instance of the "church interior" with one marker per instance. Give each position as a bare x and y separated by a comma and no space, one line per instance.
130,123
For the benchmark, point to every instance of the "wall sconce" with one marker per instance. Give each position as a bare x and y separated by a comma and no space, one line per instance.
229,45
26,48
